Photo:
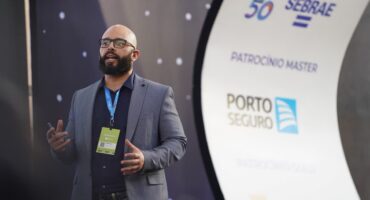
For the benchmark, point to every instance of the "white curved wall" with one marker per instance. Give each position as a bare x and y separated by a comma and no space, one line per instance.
269,99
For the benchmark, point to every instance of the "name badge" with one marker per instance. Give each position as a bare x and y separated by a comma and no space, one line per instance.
108,141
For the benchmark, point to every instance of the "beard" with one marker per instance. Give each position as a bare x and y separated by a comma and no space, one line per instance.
123,66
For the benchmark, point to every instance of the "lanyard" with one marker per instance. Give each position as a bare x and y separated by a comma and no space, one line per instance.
111,108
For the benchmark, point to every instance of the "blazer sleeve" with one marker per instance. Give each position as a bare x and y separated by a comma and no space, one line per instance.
69,155
172,139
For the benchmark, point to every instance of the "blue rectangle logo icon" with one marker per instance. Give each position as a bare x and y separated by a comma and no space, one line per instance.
286,115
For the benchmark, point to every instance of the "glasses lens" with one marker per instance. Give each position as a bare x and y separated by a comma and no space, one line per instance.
104,42
119,43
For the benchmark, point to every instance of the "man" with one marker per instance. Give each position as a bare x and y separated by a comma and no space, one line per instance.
122,131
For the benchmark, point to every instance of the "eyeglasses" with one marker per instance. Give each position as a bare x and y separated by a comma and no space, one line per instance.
117,43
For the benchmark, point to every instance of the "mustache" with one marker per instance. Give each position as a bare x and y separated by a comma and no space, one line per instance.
110,55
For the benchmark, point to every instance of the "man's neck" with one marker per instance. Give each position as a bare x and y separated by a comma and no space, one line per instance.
114,83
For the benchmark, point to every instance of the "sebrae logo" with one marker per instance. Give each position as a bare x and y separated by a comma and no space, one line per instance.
304,10
307,9
286,115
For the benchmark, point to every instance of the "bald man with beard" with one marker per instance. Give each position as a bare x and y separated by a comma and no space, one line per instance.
122,130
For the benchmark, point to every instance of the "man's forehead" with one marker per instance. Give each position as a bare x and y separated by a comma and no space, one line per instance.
113,38
115,34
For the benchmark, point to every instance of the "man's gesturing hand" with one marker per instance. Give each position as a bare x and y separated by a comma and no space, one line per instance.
56,137
133,161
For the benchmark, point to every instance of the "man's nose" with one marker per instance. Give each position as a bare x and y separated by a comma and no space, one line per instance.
111,45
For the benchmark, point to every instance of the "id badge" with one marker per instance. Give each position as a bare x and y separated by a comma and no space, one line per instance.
108,141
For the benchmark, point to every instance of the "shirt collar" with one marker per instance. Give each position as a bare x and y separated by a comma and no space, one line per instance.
129,83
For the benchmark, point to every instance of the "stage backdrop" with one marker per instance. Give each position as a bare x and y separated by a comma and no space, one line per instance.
65,58
268,96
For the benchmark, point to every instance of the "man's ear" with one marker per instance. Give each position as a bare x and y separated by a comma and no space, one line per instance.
135,54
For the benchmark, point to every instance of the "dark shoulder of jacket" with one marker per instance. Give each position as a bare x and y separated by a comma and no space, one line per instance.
156,86
88,88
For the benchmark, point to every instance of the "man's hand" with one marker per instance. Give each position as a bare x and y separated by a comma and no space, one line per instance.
56,138
133,161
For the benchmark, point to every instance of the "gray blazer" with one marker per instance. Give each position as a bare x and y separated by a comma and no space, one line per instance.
153,126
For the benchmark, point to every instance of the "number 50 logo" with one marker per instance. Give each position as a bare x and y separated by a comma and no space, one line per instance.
260,9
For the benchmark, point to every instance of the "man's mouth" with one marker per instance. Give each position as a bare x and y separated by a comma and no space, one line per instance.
110,57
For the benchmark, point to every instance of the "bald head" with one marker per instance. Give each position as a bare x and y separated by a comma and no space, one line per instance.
116,56
121,31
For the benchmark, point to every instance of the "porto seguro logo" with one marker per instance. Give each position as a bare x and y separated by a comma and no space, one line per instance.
307,9
260,9
258,112
286,115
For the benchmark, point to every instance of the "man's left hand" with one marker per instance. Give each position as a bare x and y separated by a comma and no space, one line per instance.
133,161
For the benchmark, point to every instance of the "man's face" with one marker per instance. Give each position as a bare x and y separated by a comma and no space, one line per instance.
115,58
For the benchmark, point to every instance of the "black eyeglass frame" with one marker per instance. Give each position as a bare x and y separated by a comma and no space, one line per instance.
115,45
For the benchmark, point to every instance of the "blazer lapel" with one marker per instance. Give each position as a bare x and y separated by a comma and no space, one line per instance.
89,108
136,104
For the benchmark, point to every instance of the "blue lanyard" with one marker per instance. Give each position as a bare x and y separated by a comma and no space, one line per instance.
111,108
